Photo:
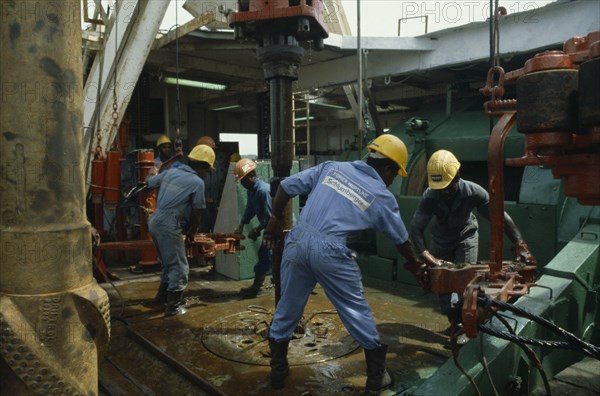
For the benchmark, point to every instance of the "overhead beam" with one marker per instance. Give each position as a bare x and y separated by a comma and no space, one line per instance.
174,33
213,44
381,43
554,23
168,58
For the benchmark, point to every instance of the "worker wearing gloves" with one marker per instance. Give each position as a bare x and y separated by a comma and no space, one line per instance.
451,201
343,198
180,198
258,204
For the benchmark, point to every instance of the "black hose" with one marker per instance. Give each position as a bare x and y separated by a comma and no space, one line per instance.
589,349
541,343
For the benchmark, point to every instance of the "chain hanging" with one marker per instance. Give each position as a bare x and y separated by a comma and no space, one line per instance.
177,143
115,106
497,12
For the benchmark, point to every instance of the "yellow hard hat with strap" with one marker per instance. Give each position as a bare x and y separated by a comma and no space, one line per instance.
442,168
393,148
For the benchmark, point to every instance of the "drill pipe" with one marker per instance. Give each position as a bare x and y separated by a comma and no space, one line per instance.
280,56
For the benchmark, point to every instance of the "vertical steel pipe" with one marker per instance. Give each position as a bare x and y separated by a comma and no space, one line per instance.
53,315
282,148
282,144
280,55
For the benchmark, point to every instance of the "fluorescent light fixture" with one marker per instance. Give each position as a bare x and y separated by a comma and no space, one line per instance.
195,84
227,107
303,118
326,104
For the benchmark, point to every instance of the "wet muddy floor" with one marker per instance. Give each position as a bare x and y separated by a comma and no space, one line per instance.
220,347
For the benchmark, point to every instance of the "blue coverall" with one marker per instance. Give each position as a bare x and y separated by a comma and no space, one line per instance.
181,190
158,163
258,204
344,197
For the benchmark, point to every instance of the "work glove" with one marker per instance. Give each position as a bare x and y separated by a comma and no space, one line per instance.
430,260
95,237
273,233
521,253
254,233
419,271
239,229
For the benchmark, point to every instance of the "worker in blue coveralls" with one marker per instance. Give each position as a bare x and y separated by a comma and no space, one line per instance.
180,197
454,236
343,198
258,204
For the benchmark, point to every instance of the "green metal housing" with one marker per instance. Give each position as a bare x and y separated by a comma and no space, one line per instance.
563,236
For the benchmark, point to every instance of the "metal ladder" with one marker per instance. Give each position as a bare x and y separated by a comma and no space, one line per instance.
301,120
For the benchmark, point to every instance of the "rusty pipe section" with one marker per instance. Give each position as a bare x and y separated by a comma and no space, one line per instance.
505,110
496,187
53,315
146,206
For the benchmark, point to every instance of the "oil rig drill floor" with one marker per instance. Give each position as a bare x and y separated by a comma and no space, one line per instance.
219,347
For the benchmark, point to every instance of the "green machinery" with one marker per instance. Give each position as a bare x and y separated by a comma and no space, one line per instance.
241,265
563,235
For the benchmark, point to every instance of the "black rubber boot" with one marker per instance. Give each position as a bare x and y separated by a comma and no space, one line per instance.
175,304
253,289
161,294
279,363
378,377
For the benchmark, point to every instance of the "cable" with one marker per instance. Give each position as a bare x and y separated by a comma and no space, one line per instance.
496,34
177,144
177,64
455,353
533,358
462,370
541,343
486,367
589,349
107,278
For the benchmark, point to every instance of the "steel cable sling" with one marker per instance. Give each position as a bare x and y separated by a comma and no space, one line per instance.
572,342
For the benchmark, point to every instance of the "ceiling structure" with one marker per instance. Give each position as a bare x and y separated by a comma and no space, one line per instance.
400,72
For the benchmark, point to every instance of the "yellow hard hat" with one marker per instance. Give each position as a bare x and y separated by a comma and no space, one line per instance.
202,153
162,140
442,168
210,142
242,168
235,157
393,148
